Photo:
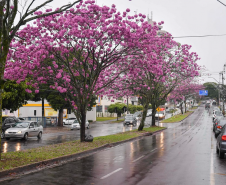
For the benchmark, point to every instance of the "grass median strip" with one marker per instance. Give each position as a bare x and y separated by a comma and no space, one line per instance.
105,118
12,160
177,118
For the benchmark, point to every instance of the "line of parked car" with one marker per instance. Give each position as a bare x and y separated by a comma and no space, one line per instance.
13,127
219,129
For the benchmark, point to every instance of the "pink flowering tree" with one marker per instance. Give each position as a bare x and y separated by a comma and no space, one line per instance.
10,12
157,73
79,52
183,91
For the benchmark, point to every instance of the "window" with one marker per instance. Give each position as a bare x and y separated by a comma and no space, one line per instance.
106,108
99,108
32,124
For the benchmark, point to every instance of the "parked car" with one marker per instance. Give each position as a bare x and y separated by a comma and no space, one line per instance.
216,114
8,122
149,113
221,143
219,127
76,125
130,121
68,121
137,115
216,109
23,130
216,121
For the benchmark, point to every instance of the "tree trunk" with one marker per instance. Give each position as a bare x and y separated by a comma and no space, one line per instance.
153,115
181,108
185,107
83,125
60,117
141,126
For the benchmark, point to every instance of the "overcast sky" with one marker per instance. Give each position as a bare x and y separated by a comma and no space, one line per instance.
184,18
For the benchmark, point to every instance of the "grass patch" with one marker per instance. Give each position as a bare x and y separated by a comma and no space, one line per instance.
105,118
12,160
177,118
194,107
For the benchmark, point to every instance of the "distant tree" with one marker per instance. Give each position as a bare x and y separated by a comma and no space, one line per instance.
134,108
212,91
116,108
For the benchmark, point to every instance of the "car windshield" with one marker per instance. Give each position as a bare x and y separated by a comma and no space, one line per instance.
21,125
129,118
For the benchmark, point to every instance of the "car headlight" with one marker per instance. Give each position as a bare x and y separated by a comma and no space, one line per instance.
6,132
19,132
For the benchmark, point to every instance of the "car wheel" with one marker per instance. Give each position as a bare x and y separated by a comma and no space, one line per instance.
7,138
217,150
2,135
221,154
39,135
25,136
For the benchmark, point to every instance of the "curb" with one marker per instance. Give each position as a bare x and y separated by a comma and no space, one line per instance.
50,163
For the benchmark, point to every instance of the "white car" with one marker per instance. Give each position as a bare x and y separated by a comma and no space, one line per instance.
76,125
216,113
23,130
67,122
160,115
149,112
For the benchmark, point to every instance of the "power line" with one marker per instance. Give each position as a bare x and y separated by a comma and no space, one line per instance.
197,36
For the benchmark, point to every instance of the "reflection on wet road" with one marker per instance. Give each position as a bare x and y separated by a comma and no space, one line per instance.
184,154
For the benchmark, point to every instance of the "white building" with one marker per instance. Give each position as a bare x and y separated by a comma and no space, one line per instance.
105,102
34,109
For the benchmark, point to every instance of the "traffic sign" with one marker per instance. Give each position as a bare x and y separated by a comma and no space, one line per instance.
158,109
203,92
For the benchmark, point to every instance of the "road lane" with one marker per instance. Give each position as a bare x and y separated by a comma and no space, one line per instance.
183,154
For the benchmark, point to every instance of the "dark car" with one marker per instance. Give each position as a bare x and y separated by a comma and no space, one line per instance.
221,143
130,121
219,127
216,121
207,105
8,122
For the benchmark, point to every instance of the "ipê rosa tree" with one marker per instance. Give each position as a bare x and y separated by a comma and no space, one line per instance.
156,74
189,87
79,52
13,15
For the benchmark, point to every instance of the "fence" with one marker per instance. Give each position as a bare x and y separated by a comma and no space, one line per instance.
44,121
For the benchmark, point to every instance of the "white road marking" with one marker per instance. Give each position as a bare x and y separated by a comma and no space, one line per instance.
138,158
104,177
154,149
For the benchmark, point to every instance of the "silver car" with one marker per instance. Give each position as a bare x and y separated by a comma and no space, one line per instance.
23,130
76,125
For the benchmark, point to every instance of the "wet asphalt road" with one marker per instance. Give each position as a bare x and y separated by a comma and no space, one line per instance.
96,129
184,154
